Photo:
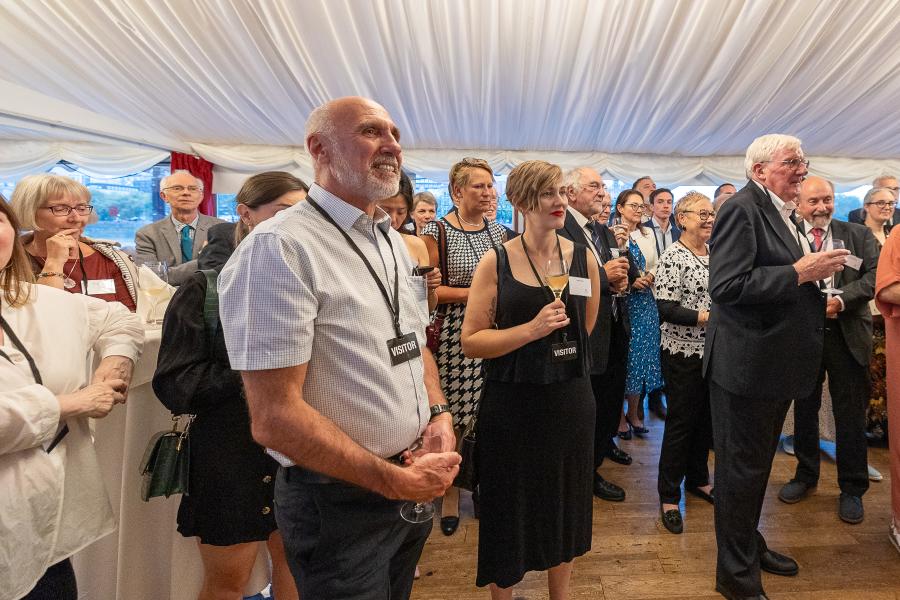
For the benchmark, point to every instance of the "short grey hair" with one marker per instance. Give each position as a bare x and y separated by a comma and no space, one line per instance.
867,200
689,201
882,177
763,148
320,120
426,197
572,178
164,182
33,191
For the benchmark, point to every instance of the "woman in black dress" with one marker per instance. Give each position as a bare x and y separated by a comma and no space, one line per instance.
536,416
230,507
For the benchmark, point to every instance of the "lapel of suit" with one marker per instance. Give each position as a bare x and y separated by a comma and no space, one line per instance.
171,235
771,214
203,224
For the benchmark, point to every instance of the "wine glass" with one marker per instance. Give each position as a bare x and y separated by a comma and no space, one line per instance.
619,253
420,512
556,275
154,293
833,244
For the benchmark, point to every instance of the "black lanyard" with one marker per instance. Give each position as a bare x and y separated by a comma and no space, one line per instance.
34,372
534,270
392,304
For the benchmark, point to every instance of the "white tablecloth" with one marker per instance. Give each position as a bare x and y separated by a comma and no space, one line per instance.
146,558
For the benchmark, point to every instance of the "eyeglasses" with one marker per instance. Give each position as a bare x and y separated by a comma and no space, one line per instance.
594,186
177,189
882,204
64,211
634,206
794,163
704,215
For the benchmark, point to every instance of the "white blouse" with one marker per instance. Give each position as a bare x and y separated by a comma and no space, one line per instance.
52,504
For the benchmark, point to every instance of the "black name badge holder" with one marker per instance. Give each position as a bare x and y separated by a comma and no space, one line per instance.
403,348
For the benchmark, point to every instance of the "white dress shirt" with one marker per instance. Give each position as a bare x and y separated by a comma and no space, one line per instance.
583,222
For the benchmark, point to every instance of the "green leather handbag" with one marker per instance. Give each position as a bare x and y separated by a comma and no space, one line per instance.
166,465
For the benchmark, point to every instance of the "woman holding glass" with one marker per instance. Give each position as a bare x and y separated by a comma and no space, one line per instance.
231,505
53,502
644,373
57,209
536,421
682,295
469,236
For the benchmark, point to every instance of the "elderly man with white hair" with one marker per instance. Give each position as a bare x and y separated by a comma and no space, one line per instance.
763,348
177,239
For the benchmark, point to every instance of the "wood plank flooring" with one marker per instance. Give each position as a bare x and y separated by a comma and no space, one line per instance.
633,556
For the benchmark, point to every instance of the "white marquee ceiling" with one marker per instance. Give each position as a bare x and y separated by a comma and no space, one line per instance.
693,78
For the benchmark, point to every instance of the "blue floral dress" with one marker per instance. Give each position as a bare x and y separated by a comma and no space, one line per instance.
644,372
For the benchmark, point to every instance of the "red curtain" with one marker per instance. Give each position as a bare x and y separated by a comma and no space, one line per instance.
201,169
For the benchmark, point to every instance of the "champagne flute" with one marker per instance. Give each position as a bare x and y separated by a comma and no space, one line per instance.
421,512
556,275
833,244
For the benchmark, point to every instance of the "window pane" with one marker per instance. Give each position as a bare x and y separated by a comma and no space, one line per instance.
225,207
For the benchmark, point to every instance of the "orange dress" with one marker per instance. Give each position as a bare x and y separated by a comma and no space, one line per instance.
889,274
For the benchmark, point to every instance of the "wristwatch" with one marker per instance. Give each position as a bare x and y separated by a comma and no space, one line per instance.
438,409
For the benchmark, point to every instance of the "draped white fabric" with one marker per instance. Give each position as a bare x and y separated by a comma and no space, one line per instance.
21,157
675,89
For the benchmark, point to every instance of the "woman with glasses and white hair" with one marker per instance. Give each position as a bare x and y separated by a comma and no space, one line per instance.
56,210
682,296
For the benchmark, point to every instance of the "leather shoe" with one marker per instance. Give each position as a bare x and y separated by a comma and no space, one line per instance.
710,497
639,430
778,564
617,455
732,596
606,490
850,509
794,491
449,525
671,520
625,435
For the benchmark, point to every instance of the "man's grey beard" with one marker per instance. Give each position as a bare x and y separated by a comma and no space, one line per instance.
821,221
367,184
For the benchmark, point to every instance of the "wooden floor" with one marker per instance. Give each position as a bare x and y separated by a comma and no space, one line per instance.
633,556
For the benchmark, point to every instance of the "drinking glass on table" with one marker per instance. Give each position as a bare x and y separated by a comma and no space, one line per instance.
155,292
420,512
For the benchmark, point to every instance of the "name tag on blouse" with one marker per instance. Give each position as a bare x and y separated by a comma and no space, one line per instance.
564,351
580,286
403,348
100,286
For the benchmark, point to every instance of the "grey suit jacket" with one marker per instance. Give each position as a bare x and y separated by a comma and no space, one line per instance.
160,241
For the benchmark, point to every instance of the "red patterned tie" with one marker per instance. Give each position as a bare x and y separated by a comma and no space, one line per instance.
817,232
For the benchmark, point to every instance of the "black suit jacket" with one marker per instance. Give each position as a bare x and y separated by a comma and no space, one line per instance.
859,287
600,336
219,247
765,334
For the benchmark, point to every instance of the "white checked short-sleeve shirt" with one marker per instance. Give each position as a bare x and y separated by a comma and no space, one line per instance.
295,292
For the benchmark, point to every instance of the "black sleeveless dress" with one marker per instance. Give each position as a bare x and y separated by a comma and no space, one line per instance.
535,441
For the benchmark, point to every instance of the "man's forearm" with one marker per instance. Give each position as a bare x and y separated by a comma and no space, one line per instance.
432,379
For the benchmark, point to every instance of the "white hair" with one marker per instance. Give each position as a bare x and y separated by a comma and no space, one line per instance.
763,148
320,121
572,178
882,177
164,182
872,193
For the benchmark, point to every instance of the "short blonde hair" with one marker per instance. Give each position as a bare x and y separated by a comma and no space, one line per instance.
460,172
34,191
526,182
764,147
688,202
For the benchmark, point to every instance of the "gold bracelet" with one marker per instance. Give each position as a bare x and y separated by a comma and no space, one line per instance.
43,274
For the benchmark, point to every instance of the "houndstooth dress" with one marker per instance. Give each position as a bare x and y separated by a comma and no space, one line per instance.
461,377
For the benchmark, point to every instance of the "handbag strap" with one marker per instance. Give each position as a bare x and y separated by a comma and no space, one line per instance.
442,260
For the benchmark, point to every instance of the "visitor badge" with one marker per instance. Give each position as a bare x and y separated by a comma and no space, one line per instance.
564,351
101,286
579,286
403,348
854,262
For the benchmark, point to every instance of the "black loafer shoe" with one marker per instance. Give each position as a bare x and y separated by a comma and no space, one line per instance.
794,491
732,596
850,509
605,490
778,564
449,525
617,455
671,520
710,497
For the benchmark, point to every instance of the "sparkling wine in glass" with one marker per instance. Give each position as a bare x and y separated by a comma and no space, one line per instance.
420,512
556,275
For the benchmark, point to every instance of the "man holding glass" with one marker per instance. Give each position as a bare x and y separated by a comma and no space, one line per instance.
763,348
177,239
324,315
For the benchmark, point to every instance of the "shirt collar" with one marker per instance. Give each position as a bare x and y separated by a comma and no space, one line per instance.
579,218
346,215
808,227
179,225
785,208
664,228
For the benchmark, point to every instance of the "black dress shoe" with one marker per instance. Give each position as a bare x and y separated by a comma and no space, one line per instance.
778,564
671,520
710,497
639,430
625,435
449,525
606,490
617,455
732,596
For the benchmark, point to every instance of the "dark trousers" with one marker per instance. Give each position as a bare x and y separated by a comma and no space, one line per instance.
745,437
345,542
609,393
848,382
57,583
685,445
